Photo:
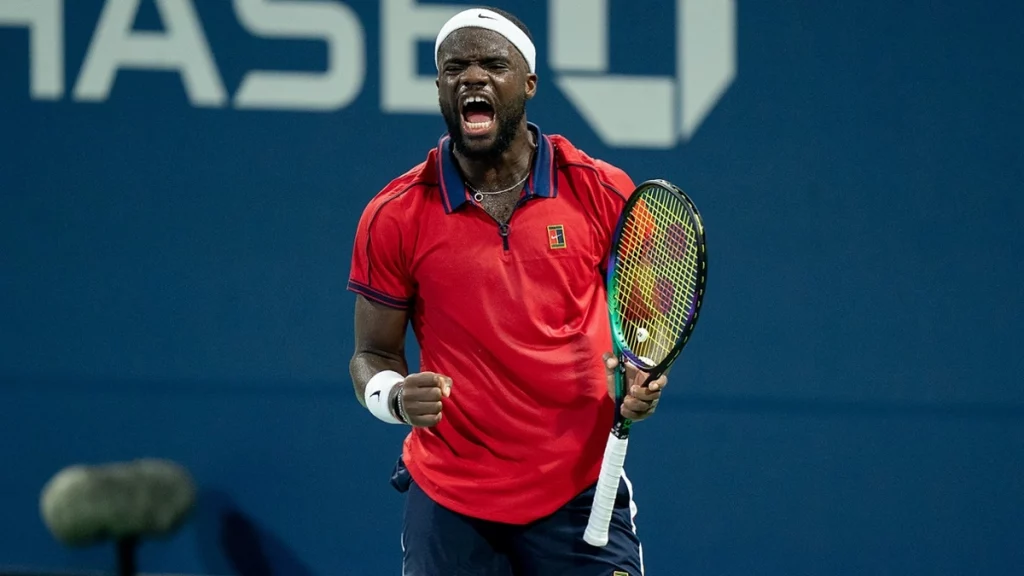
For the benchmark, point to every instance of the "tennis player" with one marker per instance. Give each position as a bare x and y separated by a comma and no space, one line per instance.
494,248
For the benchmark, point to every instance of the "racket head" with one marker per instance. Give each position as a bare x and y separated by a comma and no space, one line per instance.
656,276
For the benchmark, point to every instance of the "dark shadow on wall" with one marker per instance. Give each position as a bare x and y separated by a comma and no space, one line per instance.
229,542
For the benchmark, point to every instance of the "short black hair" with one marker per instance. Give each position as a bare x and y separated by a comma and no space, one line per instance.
511,17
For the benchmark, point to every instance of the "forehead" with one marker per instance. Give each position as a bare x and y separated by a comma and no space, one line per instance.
475,44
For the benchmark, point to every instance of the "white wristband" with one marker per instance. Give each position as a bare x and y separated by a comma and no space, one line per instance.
378,392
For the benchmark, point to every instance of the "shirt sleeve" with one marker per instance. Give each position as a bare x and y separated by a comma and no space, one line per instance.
609,202
379,265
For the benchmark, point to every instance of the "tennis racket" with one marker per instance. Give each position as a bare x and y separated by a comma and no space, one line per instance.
656,275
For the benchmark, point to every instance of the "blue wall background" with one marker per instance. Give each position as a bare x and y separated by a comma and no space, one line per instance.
172,284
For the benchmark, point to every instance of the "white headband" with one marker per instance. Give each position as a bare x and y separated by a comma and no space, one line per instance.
480,18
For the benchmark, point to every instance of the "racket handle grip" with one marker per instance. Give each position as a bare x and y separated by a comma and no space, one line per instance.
596,533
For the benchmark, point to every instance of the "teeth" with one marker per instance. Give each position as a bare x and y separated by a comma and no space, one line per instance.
473,99
478,125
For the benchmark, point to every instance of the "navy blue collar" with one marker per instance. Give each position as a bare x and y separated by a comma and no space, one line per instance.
542,181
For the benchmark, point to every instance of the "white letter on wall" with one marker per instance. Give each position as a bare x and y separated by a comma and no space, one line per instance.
181,47
335,24
403,25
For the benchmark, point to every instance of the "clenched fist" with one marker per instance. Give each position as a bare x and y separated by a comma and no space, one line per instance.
419,398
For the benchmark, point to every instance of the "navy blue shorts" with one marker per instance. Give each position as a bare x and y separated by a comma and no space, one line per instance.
437,541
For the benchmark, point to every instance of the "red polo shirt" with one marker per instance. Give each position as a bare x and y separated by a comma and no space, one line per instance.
519,322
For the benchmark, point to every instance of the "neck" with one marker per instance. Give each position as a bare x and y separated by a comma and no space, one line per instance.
503,170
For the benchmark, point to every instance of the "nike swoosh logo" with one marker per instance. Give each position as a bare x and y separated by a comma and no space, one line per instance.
484,16
377,393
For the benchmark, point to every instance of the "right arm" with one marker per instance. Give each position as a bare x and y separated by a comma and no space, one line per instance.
380,347
380,374
380,343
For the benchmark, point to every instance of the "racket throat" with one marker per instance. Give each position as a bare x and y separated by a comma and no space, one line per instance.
621,428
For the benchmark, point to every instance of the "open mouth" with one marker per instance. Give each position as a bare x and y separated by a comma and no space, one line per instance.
477,115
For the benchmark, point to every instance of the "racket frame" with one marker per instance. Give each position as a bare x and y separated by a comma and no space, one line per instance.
621,425
596,533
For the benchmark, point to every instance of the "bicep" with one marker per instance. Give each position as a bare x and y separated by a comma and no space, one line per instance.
379,328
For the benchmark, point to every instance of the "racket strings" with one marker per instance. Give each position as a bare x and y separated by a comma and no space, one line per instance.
656,274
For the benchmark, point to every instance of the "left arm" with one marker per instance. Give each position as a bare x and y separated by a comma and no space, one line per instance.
641,396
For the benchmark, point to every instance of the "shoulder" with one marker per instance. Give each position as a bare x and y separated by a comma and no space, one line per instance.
404,193
602,177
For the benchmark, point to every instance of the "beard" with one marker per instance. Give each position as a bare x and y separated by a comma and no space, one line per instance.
508,119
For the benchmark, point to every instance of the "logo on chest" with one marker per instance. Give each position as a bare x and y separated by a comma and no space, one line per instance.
556,237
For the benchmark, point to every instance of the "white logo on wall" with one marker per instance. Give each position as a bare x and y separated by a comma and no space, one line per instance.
643,111
624,111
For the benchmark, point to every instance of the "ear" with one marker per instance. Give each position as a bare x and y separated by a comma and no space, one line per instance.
531,86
